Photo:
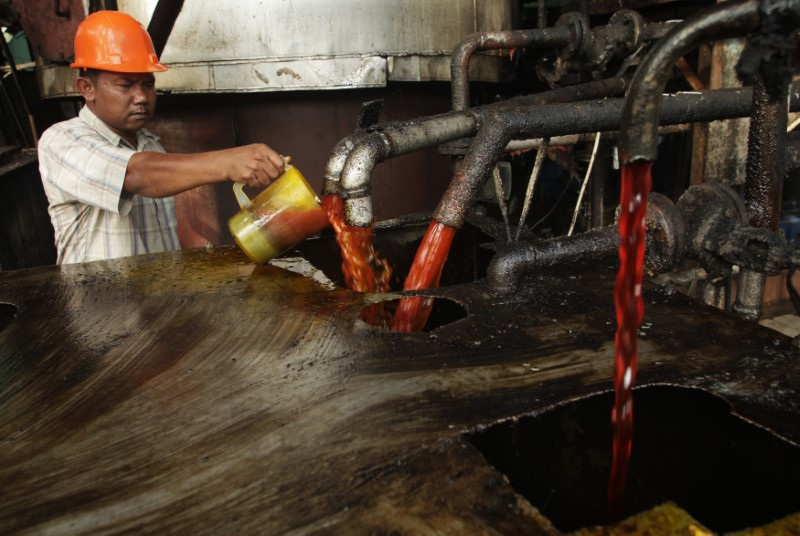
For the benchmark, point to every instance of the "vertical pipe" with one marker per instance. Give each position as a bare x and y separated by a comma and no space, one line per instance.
765,163
639,132
541,14
598,180
164,16
462,54
763,185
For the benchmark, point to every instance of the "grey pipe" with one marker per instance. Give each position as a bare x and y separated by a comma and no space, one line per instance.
349,170
501,126
513,261
639,137
335,164
666,247
378,146
763,186
625,32
462,54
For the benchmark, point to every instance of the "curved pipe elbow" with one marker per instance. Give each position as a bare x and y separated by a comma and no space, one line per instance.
463,52
511,263
507,267
335,164
639,132
356,176
459,70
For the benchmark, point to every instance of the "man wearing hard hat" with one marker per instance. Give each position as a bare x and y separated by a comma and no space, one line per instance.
108,181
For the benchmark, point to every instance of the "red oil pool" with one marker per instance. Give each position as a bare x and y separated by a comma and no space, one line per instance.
636,181
362,267
412,313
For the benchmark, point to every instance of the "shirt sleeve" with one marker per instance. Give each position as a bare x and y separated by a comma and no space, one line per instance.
86,167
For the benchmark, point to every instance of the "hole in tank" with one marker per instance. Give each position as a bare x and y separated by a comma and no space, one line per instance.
443,311
397,241
8,313
688,448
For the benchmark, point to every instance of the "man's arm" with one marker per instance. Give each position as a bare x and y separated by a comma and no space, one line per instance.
153,174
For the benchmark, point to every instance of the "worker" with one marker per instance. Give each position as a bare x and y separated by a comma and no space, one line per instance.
109,182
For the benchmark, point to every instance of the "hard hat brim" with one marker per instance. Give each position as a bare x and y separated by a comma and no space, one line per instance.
127,68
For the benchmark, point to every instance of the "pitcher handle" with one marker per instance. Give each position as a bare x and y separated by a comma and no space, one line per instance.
241,197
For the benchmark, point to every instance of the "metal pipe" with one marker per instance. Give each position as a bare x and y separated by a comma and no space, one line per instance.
459,64
639,138
161,23
666,247
378,146
598,180
763,185
500,126
349,170
765,157
541,14
335,164
574,139
513,261
598,89
625,30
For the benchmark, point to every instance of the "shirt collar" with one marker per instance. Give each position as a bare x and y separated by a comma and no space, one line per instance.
88,116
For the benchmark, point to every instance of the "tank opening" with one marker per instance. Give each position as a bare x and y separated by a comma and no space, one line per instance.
443,311
688,448
8,313
397,241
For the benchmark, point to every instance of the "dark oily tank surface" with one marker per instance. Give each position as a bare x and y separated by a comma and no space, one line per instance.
194,392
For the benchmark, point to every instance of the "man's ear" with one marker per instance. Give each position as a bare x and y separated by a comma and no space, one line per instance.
86,88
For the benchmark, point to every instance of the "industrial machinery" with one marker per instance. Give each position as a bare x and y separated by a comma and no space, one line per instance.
198,392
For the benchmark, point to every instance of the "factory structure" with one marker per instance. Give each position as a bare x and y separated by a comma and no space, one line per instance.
552,291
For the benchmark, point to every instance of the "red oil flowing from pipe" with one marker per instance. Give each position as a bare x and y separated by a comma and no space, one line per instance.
363,269
636,182
426,270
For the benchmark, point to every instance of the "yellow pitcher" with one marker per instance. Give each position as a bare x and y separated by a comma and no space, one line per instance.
283,215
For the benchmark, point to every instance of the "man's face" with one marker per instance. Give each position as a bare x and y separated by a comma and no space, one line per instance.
123,101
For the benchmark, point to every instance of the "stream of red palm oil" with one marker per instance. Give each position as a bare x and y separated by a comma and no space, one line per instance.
363,269
636,181
426,270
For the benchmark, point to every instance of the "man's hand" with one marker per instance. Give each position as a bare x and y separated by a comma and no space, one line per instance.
158,175
255,165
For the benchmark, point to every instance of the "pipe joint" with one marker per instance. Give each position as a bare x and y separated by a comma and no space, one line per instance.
639,135
335,164
358,211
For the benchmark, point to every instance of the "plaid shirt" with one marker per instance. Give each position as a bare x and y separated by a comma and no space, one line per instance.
82,163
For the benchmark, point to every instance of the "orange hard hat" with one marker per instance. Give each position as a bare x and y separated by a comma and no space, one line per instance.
114,41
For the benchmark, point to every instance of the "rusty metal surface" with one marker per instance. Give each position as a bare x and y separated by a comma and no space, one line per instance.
241,47
464,50
765,157
639,137
50,26
500,125
194,392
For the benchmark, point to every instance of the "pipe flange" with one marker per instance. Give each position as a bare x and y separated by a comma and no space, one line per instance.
579,26
711,212
665,244
634,23
353,193
330,186
358,211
